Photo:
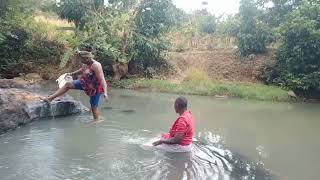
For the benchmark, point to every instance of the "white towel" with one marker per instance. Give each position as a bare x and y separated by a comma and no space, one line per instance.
63,79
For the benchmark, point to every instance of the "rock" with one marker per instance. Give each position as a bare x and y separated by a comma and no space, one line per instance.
222,97
291,94
13,83
18,107
19,82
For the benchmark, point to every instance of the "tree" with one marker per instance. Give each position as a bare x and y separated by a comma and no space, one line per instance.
254,35
123,5
154,18
209,24
298,64
230,26
77,10
275,14
3,7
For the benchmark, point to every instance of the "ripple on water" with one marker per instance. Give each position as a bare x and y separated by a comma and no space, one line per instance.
207,160
127,160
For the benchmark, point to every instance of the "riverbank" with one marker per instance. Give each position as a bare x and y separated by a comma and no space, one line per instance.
207,88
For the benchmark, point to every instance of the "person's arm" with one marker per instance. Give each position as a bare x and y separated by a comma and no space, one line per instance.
178,136
97,68
75,72
174,140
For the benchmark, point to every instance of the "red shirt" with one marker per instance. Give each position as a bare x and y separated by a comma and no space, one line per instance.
89,81
185,124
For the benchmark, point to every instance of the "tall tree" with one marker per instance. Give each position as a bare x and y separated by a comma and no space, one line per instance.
77,10
254,34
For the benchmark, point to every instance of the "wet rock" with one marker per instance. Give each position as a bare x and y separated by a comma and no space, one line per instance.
18,107
20,82
13,83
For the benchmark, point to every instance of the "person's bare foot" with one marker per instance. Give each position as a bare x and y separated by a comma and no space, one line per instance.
45,99
97,121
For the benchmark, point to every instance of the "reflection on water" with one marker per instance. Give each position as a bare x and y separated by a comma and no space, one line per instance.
234,140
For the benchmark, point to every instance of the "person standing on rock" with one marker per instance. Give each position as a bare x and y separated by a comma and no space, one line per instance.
92,82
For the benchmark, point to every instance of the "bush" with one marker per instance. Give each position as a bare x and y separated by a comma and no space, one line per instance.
209,24
255,40
24,41
298,64
253,35
13,41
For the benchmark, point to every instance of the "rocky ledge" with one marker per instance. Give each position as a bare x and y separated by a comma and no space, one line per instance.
21,106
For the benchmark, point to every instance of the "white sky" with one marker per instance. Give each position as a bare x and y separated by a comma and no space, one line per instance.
216,7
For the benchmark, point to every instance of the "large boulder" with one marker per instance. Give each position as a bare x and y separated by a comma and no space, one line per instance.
18,107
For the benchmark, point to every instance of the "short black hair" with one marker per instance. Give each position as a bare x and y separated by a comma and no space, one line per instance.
182,102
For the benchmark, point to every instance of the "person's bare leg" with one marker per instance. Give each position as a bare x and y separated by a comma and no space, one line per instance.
95,113
59,92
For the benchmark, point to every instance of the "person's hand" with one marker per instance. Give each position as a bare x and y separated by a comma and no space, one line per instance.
157,143
106,97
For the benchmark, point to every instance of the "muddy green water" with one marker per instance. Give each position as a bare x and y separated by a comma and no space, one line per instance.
237,139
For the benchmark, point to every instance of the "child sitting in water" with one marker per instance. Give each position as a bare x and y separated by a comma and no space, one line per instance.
181,132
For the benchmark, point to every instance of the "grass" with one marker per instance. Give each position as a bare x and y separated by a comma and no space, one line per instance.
52,29
207,88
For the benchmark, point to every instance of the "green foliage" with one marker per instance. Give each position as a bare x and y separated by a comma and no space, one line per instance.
104,36
147,44
154,18
209,24
230,26
208,88
254,35
276,14
122,5
126,31
146,52
77,11
24,41
3,7
298,63
198,23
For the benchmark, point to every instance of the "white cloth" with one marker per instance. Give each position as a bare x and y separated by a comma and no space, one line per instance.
63,79
174,148
168,147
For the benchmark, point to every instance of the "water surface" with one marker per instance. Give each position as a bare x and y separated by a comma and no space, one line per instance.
237,139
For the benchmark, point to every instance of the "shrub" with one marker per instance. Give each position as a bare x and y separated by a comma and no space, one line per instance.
298,64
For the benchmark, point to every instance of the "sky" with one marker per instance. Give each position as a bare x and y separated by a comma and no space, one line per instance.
216,7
